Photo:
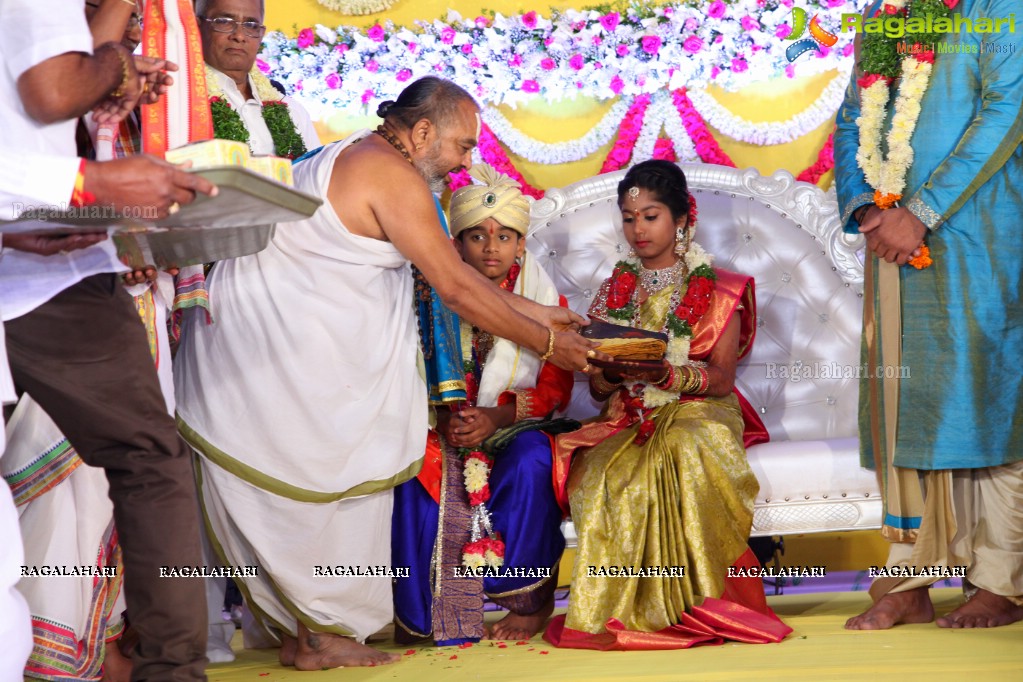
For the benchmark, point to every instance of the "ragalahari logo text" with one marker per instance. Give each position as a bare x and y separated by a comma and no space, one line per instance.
818,35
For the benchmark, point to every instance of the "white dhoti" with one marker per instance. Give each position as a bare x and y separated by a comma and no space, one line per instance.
305,404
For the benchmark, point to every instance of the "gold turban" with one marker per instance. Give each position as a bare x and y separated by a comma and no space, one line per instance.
498,197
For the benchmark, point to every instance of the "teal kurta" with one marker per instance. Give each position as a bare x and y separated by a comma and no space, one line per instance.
962,404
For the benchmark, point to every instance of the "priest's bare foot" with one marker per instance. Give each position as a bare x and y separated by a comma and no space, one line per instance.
911,606
323,651
517,626
984,610
116,666
288,651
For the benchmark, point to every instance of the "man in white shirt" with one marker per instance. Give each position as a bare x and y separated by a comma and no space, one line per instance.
74,340
232,32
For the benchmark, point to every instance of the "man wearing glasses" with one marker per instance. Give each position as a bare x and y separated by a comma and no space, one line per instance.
232,32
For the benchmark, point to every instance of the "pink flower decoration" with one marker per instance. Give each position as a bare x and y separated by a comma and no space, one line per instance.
376,33
529,20
847,50
579,85
836,3
596,40
716,10
367,96
706,146
651,44
692,24
482,21
516,60
749,23
825,162
530,86
372,66
782,31
692,44
412,47
459,180
298,86
333,81
447,35
739,65
578,25
577,62
306,38
664,149
467,48
617,85
628,133
548,64
494,154
823,51
341,48
714,71
790,71
475,63
263,66
622,50
610,21
403,75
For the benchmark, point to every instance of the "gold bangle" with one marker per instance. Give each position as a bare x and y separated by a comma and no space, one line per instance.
125,77
550,346
603,386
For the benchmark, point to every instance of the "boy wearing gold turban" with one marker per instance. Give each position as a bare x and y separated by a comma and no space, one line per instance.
507,384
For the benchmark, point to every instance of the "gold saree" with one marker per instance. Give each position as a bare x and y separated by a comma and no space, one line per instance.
682,499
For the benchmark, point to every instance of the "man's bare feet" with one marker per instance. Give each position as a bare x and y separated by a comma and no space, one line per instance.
912,606
516,626
289,649
323,651
984,610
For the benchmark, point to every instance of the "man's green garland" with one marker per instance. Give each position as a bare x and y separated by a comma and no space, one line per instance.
880,54
228,125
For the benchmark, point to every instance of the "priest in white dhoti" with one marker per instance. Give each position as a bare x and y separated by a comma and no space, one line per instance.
303,399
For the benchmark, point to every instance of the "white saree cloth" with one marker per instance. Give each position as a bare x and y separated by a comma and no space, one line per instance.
305,404
15,622
509,366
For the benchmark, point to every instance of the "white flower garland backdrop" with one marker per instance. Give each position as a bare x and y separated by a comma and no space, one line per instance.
601,54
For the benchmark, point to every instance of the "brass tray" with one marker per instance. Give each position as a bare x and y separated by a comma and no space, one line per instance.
237,222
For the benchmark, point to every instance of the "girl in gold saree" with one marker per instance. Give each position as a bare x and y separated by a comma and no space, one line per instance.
659,486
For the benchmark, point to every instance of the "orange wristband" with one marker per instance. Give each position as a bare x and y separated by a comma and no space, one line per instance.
79,197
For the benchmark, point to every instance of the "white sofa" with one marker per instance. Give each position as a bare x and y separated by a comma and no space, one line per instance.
809,283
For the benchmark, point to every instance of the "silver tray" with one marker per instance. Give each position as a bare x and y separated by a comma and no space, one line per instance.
237,222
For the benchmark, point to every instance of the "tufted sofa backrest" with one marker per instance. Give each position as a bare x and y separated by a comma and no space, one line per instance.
802,375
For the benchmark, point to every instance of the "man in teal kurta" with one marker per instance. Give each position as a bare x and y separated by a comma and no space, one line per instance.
948,435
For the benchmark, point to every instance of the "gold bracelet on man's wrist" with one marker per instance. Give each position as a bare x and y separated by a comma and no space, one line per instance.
550,346
125,75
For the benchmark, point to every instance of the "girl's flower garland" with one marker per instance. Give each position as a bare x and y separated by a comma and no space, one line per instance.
882,63
228,124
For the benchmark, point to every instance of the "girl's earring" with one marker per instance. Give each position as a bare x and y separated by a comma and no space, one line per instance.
681,241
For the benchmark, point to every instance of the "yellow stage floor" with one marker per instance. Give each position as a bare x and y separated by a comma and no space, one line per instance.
819,649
